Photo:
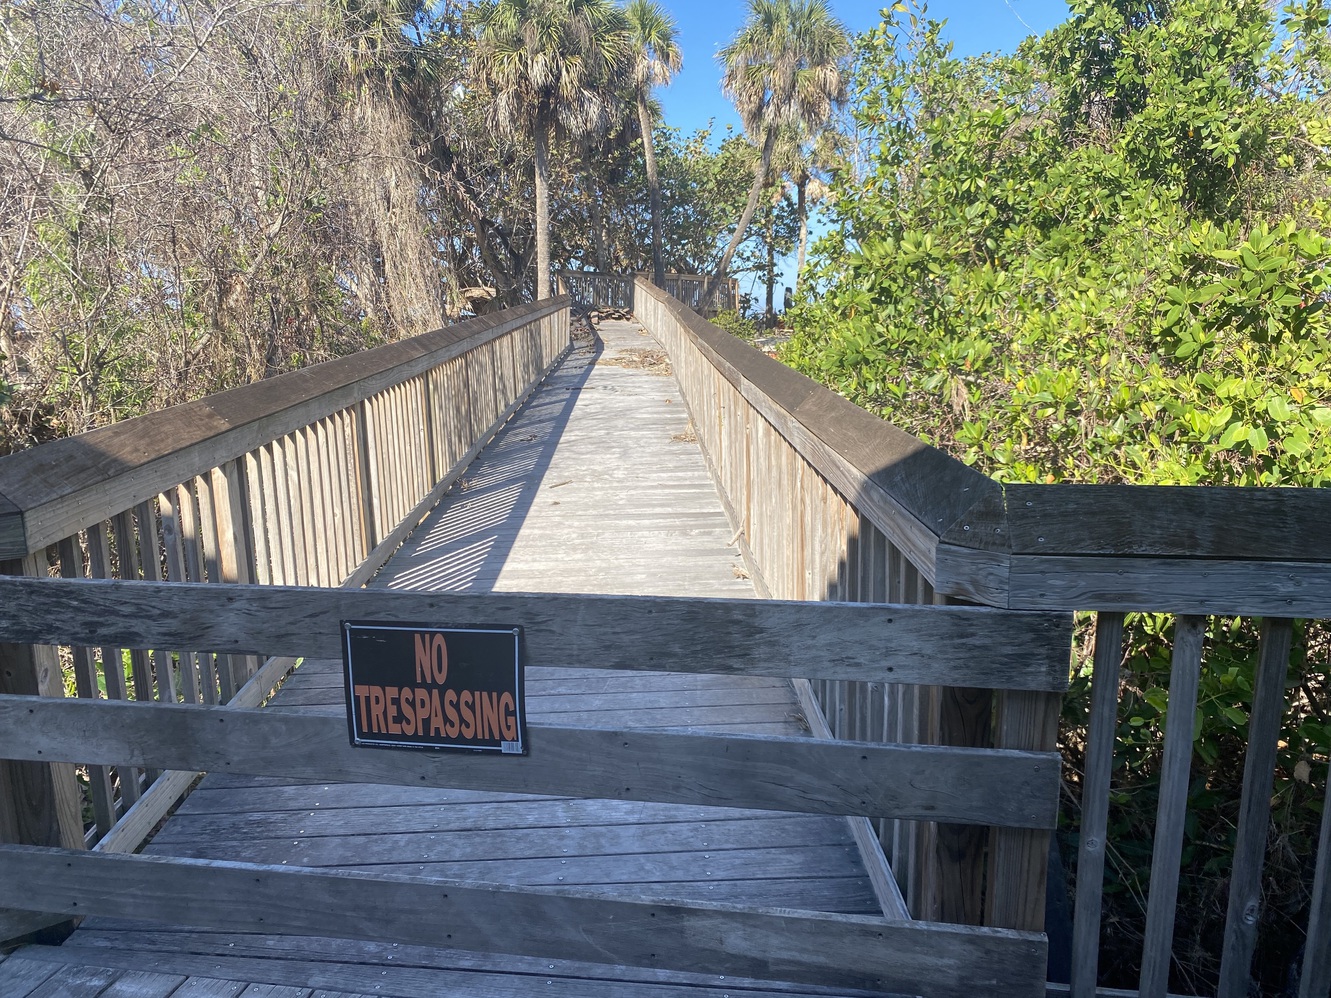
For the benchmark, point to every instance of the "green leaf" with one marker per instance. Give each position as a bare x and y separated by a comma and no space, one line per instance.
1257,438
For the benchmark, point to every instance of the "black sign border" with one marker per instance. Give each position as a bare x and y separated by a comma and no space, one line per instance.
519,669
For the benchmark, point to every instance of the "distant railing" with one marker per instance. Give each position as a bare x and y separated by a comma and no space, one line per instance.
591,290
829,502
311,479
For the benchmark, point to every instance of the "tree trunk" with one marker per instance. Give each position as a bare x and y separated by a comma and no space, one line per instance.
542,207
653,190
771,270
802,212
759,181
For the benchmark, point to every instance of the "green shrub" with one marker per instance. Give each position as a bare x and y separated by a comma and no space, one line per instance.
1105,259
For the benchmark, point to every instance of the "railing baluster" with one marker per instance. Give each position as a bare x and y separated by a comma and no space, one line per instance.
1245,883
113,663
85,684
1102,730
151,552
174,545
1171,813
1315,981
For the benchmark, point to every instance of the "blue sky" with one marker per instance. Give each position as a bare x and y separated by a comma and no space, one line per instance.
973,26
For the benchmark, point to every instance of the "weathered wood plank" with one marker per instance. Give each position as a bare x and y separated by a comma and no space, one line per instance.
1171,814
1315,980
885,888
19,977
819,948
1245,883
1172,585
136,824
1102,730
415,971
800,774
900,644
1268,524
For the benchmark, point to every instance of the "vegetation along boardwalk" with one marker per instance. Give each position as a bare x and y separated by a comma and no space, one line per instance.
595,486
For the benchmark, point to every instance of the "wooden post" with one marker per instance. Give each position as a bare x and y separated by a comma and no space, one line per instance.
1019,858
39,803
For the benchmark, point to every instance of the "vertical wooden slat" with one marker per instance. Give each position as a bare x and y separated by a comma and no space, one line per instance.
316,527
85,682
151,549
1245,882
218,563
1315,981
298,476
113,660
367,477
236,546
195,512
337,482
1171,812
258,500
1019,857
173,543
1102,729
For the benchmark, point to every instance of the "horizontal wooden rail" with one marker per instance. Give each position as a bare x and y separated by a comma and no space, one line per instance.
898,644
828,949
1017,789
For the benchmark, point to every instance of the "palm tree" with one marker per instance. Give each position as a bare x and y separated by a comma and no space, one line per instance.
551,68
808,165
784,68
656,57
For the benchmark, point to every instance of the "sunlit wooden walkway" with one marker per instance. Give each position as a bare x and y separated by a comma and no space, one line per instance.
596,486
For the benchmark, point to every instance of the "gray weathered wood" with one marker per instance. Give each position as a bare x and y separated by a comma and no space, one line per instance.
966,785
1171,813
1245,882
1102,730
1315,981
1172,585
68,484
900,644
957,962
885,886
136,824
1267,524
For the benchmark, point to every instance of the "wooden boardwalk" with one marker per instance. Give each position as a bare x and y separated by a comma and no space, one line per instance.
596,486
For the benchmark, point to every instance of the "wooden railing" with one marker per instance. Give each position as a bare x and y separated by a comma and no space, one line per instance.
829,502
1016,790
593,290
310,479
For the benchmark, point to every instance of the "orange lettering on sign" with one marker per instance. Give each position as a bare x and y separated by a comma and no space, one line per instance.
451,726
377,723
468,719
508,718
431,658
390,703
436,715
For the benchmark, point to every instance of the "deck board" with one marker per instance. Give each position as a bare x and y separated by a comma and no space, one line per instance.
595,486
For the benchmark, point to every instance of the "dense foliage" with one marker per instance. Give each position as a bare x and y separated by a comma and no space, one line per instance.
198,194
1105,258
